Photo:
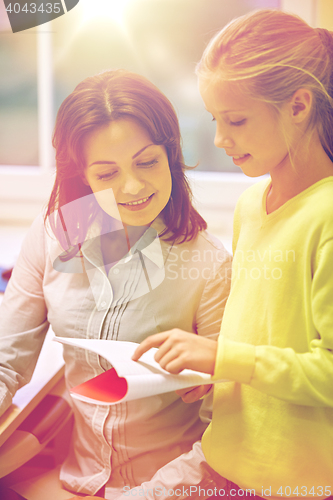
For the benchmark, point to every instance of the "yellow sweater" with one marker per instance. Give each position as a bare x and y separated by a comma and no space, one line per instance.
272,427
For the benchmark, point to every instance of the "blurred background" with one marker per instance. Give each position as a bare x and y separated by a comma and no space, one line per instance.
161,39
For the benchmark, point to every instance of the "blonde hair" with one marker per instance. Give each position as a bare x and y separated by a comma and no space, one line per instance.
270,54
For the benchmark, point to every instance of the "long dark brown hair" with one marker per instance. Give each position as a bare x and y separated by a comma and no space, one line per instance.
95,102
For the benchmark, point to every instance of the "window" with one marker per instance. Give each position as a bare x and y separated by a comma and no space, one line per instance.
18,96
161,39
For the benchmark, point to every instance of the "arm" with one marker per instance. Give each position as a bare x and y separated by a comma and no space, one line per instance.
300,378
210,312
23,317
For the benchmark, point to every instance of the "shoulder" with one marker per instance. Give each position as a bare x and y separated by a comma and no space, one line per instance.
313,207
249,204
35,236
205,251
206,241
253,194
40,242
38,227
322,193
30,264
316,209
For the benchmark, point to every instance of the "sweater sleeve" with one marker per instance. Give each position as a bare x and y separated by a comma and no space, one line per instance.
23,316
300,378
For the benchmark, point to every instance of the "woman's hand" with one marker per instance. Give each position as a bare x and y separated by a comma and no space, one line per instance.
179,350
192,394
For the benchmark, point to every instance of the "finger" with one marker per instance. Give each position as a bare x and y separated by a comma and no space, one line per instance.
201,391
197,393
167,357
175,365
193,395
189,395
182,392
151,341
166,351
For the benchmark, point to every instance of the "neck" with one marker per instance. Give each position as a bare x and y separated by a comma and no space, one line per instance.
309,165
133,234
116,244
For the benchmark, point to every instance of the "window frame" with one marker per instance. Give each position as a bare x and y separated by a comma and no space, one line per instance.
24,189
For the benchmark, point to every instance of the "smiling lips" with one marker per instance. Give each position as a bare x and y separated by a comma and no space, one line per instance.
137,204
239,156
239,159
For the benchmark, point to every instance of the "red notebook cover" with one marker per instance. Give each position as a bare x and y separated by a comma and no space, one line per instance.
107,387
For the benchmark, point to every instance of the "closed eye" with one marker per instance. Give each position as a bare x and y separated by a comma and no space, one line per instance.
237,124
148,164
106,177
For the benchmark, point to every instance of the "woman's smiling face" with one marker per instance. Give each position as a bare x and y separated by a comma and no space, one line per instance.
122,159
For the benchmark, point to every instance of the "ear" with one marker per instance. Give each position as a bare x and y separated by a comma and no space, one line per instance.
300,105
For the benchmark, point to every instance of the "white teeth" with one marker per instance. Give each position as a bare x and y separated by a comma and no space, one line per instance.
137,202
241,156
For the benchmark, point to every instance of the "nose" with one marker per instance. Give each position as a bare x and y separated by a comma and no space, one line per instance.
222,137
132,184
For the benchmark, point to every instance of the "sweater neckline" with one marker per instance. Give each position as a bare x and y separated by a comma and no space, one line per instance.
265,216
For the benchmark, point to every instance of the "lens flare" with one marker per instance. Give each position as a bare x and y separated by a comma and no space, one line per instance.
112,9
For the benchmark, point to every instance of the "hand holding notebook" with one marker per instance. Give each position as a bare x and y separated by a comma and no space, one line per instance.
127,379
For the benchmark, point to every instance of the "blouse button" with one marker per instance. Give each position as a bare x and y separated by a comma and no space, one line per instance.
103,304
116,271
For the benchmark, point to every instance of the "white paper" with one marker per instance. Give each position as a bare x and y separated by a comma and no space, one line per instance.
144,377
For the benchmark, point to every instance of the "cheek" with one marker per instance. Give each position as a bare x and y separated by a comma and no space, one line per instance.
161,178
167,184
106,198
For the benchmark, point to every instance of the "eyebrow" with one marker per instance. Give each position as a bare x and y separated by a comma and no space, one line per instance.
232,111
106,162
229,111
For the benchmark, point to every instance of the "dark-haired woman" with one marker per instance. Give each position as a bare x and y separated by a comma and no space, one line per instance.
121,254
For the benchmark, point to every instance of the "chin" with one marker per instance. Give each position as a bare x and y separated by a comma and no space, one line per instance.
254,173
137,221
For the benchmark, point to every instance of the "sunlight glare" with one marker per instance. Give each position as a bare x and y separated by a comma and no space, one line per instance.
112,9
